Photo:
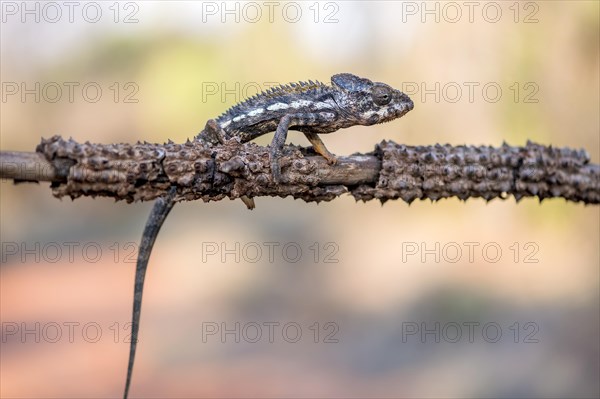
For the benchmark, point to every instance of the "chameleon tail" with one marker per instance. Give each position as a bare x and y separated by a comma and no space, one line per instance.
159,213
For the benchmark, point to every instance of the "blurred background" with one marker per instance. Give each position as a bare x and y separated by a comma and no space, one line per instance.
339,299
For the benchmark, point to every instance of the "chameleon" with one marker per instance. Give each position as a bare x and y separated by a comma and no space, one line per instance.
312,108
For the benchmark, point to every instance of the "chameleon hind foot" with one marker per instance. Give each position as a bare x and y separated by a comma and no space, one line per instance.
212,133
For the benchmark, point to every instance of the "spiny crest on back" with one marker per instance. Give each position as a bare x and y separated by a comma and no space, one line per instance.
275,92
292,88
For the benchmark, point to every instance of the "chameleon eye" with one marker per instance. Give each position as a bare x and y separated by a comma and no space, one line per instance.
381,96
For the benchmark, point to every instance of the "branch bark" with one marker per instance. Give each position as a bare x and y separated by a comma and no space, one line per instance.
144,171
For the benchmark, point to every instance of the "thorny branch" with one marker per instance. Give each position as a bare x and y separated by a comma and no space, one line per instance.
143,171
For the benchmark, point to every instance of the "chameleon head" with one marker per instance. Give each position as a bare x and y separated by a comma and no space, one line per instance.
370,102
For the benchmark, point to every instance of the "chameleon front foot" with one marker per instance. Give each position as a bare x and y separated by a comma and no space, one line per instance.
320,148
331,159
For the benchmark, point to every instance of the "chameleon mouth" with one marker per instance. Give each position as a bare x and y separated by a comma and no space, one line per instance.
406,106
401,111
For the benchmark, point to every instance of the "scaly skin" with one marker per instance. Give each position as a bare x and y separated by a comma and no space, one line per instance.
312,108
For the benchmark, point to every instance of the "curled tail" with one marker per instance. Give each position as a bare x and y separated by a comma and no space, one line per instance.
159,213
